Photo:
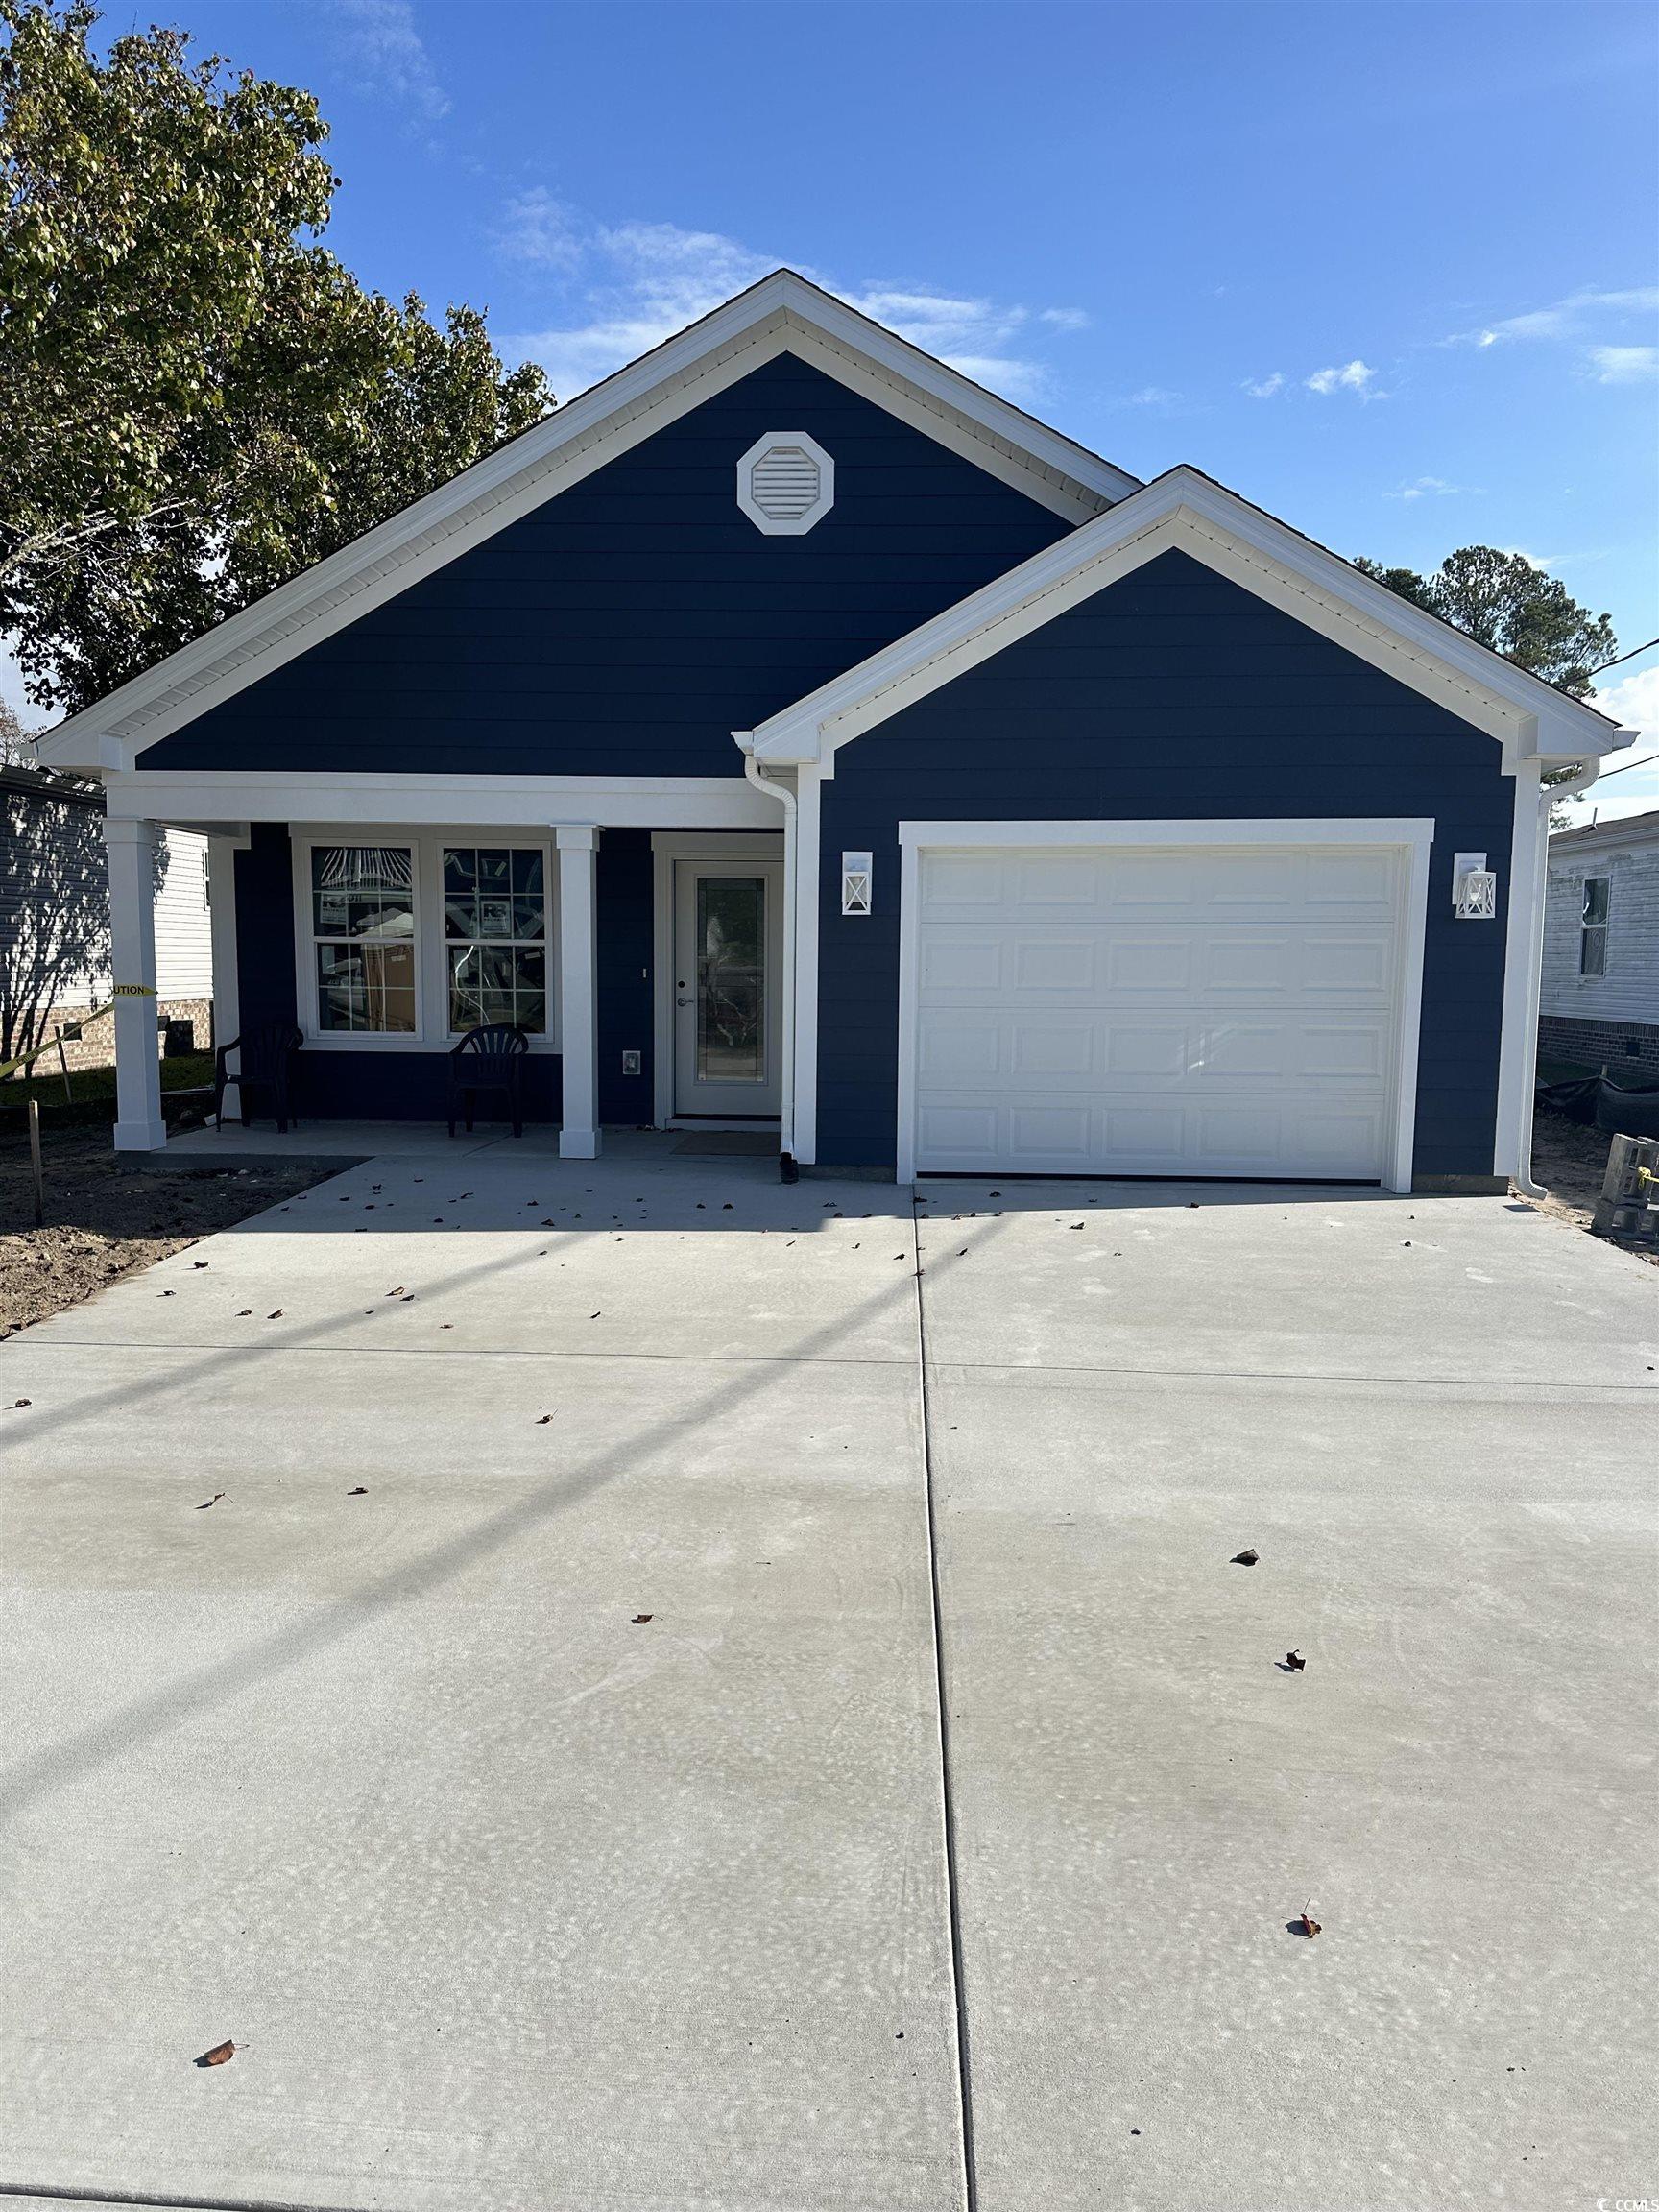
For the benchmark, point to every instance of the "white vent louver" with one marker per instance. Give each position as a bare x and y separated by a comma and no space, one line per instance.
785,483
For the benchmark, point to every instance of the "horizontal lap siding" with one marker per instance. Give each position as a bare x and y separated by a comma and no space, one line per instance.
628,626
1173,694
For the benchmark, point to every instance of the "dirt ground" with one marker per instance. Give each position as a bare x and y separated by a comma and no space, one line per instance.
1570,1161
103,1220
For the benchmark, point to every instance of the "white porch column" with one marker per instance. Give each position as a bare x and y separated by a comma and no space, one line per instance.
131,852
221,854
578,990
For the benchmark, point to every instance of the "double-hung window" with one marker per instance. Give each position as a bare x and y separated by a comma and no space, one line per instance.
1593,929
363,930
496,936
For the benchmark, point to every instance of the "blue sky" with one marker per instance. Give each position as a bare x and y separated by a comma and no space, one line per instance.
1391,270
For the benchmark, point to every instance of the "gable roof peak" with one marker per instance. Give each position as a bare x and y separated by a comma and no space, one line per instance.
782,312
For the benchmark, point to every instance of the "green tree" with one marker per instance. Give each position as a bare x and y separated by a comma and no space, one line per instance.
15,750
200,400
1502,601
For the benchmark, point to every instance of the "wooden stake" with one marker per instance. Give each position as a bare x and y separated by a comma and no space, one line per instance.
35,1160
64,1064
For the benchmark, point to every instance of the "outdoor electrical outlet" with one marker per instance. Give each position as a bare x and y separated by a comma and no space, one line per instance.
630,1063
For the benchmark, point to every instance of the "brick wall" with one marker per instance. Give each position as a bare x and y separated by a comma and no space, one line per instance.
96,1048
1604,1043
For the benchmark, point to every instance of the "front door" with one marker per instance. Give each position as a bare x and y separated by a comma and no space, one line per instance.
728,943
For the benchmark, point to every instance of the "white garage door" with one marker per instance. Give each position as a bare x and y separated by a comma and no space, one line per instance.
1158,1010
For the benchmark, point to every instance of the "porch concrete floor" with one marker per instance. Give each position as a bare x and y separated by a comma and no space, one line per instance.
517,1902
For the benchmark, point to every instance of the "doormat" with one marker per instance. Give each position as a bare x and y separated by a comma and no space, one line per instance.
729,1145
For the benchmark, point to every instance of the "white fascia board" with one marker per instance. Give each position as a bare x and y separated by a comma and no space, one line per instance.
1186,511
219,796
783,313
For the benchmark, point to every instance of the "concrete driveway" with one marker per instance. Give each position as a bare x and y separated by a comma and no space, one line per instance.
516,1901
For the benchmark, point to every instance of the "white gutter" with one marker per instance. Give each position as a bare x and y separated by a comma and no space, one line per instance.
775,789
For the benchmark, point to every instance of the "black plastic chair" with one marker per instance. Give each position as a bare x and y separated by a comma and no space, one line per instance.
266,1063
488,1058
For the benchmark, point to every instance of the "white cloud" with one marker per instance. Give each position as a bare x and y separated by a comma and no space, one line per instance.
1431,488
1565,319
1633,702
1352,376
1154,396
1268,386
538,228
379,38
636,283
1625,364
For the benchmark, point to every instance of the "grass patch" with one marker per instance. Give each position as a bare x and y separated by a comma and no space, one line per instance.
93,1088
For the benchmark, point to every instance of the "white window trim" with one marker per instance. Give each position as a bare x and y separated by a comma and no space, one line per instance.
432,1032
1412,838
667,848
788,526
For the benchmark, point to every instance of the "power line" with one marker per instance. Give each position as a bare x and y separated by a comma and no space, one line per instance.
1624,657
1645,761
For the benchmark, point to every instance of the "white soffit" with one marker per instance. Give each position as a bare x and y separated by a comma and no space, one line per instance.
1188,511
783,313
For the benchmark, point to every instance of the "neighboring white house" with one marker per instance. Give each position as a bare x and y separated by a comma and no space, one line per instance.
1599,1002
54,923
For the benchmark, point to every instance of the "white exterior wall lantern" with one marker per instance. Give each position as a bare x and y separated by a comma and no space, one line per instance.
856,869
1474,888
785,483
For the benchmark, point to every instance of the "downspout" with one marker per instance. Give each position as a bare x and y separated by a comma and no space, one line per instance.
776,788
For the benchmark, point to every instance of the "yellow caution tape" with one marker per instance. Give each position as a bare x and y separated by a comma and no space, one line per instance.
28,1059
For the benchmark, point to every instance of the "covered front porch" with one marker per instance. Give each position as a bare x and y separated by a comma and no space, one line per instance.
646,957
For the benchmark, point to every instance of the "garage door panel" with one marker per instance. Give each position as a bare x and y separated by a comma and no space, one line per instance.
1353,1053
963,1051
1255,1051
1349,963
960,962
1351,879
1152,1011
1138,961
1054,963
1055,1134
1053,1048
1144,1049
1064,880
1253,961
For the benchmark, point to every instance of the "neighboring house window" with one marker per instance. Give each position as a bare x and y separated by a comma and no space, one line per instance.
496,936
1593,932
363,923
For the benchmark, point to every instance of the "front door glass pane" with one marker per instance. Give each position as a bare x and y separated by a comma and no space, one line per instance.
731,980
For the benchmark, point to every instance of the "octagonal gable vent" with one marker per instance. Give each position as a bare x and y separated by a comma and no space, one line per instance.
785,483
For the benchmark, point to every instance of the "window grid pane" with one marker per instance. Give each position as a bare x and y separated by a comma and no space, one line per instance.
496,928
363,928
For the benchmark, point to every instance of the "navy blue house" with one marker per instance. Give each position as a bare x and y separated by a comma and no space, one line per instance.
789,734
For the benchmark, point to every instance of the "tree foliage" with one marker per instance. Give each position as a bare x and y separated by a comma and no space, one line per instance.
200,399
1502,600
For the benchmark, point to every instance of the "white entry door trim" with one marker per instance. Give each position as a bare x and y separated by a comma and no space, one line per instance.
1410,838
668,848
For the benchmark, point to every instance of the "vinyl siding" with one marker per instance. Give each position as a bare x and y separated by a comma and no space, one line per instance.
631,624
53,890
1172,693
1629,990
